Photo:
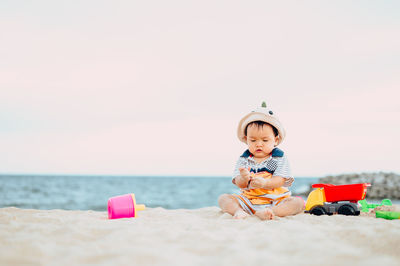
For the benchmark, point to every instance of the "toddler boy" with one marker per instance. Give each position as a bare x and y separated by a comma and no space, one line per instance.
262,172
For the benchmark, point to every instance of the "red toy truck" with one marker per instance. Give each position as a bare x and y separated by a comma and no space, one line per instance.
341,199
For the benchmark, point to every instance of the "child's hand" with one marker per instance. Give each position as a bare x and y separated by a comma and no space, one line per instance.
245,173
242,181
258,182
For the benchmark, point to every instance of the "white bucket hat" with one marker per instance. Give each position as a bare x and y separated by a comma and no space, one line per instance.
261,114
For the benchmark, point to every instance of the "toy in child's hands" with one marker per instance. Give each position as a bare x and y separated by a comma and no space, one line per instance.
257,182
341,199
123,206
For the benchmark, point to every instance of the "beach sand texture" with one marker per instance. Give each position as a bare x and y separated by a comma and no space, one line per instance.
193,237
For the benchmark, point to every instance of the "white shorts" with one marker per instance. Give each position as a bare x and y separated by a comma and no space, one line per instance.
251,208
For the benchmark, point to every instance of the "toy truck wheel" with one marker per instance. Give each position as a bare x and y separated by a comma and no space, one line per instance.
319,210
347,210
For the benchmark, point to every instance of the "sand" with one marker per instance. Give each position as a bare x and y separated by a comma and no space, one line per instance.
193,237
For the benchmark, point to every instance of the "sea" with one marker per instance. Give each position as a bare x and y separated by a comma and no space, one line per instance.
92,192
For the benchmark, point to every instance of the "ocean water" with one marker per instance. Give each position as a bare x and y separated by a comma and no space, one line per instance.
93,192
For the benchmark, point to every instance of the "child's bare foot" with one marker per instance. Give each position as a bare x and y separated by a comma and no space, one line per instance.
266,214
240,214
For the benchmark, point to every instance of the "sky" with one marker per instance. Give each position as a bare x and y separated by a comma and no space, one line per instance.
158,87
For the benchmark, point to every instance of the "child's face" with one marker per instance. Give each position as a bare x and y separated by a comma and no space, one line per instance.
261,140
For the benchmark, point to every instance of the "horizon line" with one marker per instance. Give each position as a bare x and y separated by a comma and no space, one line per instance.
125,175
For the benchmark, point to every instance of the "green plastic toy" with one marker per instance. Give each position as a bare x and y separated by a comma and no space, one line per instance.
387,215
365,206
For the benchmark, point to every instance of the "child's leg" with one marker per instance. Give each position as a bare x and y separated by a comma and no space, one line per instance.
230,204
289,206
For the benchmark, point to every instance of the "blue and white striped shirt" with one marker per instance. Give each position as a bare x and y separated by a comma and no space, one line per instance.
277,164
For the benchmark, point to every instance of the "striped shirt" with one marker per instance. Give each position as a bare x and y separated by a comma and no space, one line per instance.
277,164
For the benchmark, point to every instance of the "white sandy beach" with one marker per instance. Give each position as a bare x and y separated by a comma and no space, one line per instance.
193,237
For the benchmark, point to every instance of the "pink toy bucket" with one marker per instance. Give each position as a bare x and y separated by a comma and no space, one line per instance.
123,206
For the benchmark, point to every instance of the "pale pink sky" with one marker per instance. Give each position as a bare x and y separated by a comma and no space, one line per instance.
158,87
